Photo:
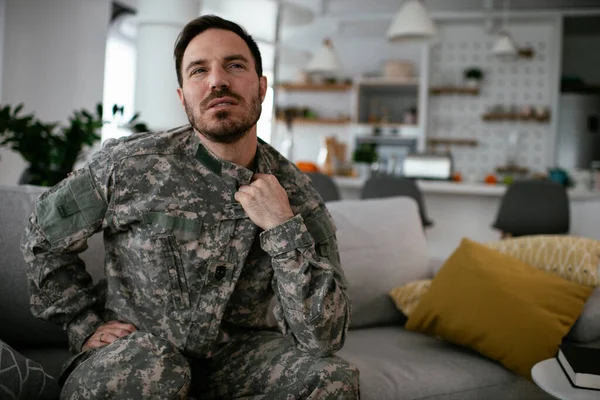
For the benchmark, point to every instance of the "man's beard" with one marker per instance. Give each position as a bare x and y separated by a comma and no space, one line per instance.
226,130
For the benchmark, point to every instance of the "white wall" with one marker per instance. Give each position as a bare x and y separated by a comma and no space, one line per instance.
581,57
53,61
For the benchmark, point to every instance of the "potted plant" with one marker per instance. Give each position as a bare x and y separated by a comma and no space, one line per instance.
51,149
473,76
363,157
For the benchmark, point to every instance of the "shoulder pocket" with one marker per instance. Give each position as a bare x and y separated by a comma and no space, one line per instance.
74,206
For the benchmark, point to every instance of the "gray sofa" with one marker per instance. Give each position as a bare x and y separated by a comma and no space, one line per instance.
382,245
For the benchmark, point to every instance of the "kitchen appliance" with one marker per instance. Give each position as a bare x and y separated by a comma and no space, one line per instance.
428,166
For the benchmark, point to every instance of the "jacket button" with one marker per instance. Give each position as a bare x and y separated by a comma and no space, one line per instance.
220,272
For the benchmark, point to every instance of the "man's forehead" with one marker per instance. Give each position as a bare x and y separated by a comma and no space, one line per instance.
216,43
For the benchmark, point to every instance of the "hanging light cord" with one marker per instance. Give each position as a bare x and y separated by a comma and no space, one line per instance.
505,16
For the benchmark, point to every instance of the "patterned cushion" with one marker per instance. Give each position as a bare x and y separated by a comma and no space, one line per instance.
22,378
408,296
573,258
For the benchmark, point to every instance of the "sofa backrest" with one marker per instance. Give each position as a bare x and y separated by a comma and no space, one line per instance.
18,327
382,245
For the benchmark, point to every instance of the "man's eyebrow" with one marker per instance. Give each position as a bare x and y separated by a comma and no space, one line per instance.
194,63
234,57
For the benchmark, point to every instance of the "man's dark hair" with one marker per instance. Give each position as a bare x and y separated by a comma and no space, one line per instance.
203,23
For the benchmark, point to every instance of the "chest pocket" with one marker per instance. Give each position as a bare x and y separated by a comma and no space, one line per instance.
182,229
165,233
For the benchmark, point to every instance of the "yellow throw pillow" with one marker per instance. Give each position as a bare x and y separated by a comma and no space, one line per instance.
408,296
574,258
499,306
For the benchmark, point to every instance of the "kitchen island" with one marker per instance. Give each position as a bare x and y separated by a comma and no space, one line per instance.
469,209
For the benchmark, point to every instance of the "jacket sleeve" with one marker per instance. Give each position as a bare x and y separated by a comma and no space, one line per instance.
309,282
64,217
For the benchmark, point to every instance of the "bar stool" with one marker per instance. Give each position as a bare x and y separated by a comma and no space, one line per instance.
533,207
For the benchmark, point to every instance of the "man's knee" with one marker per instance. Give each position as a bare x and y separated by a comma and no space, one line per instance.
139,365
333,378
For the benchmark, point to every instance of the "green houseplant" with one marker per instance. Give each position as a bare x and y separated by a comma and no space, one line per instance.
363,156
473,76
52,149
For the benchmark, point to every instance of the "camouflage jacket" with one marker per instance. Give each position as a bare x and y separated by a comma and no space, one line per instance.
182,258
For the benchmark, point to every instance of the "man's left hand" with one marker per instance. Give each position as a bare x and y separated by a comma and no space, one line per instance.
265,201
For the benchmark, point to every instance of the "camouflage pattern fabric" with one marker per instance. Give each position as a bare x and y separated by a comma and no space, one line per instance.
260,365
137,366
183,260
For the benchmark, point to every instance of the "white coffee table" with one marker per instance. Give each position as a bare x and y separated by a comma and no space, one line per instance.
549,376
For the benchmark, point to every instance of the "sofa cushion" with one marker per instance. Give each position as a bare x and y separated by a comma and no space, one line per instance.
24,379
406,297
587,327
382,244
52,359
398,364
18,327
574,258
504,308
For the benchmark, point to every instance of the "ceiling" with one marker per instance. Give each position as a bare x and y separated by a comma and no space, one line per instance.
366,18
360,6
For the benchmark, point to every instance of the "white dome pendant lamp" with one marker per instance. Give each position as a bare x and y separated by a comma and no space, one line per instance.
505,46
325,60
412,23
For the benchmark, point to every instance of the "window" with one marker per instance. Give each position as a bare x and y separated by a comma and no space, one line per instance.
119,75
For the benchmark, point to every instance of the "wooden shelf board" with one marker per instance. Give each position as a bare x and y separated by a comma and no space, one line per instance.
452,142
388,82
318,121
513,117
313,87
387,125
437,90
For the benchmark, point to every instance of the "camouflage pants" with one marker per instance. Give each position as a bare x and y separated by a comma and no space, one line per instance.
261,365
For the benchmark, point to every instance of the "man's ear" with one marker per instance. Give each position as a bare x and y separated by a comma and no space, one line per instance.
181,98
262,81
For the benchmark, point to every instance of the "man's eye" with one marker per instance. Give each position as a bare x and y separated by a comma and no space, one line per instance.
236,66
196,71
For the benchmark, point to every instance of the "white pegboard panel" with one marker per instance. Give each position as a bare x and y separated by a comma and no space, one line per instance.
518,82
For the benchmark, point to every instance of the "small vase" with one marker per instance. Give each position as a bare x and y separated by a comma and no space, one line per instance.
472,83
363,170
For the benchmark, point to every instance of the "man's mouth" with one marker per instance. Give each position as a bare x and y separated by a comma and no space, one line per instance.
222,102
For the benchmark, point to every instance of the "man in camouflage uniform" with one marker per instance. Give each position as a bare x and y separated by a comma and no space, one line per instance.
205,228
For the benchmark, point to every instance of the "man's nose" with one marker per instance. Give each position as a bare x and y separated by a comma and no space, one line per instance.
218,79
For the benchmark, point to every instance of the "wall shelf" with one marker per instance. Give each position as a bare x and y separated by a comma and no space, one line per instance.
514,117
387,125
439,90
317,121
439,141
383,81
314,87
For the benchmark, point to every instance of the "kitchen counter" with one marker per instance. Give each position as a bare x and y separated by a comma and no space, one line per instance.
350,188
469,209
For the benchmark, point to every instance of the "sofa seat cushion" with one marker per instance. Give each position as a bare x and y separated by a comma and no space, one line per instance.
398,364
